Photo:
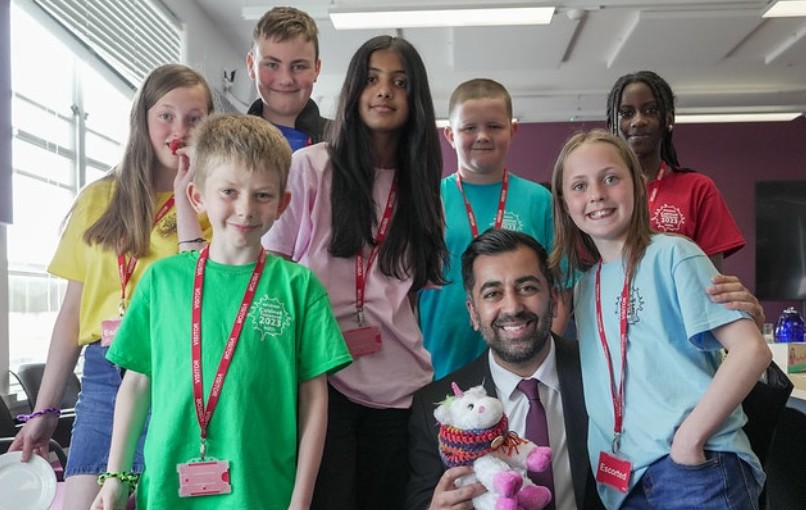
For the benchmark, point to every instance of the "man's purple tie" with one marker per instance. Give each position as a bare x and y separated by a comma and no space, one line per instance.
537,430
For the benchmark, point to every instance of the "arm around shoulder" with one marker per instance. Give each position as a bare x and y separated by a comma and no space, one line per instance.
730,291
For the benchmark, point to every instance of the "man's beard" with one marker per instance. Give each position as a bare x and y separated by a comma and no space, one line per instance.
523,349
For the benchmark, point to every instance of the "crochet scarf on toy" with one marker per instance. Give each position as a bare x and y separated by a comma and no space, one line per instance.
459,447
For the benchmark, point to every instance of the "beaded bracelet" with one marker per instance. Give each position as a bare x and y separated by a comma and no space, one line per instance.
197,240
26,417
124,476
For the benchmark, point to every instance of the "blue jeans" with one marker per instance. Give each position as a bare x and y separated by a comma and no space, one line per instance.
92,429
722,482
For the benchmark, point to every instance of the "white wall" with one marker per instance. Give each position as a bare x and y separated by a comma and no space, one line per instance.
206,50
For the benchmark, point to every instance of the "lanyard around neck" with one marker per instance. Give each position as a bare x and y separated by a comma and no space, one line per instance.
126,269
502,202
617,394
360,271
661,173
203,415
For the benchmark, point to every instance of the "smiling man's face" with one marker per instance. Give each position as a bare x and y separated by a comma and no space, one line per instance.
511,305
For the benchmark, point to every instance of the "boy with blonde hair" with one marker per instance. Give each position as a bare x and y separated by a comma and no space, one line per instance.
480,194
284,64
229,346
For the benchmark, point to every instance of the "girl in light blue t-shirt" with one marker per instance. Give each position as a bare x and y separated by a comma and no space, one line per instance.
665,427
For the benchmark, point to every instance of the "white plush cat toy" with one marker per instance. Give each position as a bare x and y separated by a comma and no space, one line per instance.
473,431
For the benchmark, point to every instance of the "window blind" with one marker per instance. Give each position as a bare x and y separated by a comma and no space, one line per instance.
131,36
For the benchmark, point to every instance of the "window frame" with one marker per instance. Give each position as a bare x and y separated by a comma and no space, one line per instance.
122,80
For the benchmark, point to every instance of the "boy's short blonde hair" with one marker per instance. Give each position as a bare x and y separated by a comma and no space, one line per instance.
284,23
246,140
479,88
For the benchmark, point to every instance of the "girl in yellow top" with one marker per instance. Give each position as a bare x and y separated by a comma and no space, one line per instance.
118,225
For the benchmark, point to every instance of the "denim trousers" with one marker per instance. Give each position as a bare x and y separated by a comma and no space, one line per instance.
723,481
92,428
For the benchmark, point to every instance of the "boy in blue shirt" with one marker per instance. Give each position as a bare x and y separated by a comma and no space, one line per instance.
284,64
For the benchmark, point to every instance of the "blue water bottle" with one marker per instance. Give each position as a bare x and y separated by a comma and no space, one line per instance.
789,327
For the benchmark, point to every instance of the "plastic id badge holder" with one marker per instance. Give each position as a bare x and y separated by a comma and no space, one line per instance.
203,478
363,341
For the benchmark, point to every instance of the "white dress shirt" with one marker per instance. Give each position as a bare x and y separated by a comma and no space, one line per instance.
516,405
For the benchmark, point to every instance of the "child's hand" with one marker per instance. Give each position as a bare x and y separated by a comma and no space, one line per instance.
735,296
184,173
685,451
34,436
113,496
175,145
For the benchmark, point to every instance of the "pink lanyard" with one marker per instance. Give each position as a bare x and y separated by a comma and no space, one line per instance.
616,394
204,415
126,270
360,272
658,178
502,202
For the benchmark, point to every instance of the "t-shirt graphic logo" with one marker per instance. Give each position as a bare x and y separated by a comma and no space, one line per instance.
636,305
668,218
269,317
167,225
511,221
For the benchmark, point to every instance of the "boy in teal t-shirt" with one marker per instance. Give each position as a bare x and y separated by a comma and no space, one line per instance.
481,194
229,346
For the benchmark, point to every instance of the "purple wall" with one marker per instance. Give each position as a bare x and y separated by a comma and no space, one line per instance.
735,156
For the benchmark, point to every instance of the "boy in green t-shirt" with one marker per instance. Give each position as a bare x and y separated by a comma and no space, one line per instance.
229,346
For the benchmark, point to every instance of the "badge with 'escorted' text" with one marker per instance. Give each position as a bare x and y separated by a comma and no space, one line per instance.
613,471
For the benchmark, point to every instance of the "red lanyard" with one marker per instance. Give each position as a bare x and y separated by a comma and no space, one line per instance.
502,202
203,415
661,173
360,271
617,395
126,270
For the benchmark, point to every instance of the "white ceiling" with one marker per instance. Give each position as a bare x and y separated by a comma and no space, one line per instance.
718,55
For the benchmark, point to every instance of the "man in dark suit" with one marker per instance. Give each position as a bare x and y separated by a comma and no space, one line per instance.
511,299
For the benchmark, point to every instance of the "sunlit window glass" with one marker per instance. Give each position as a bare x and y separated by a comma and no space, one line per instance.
69,125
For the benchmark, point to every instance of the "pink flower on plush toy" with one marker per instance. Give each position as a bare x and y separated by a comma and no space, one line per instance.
474,431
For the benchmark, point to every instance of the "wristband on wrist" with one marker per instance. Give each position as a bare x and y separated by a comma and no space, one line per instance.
27,417
197,240
124,476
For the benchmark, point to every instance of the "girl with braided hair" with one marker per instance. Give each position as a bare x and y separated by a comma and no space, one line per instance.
641,111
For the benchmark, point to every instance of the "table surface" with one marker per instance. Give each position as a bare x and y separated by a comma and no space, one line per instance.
58,501
799,380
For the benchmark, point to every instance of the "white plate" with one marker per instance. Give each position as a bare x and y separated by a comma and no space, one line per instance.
30,485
